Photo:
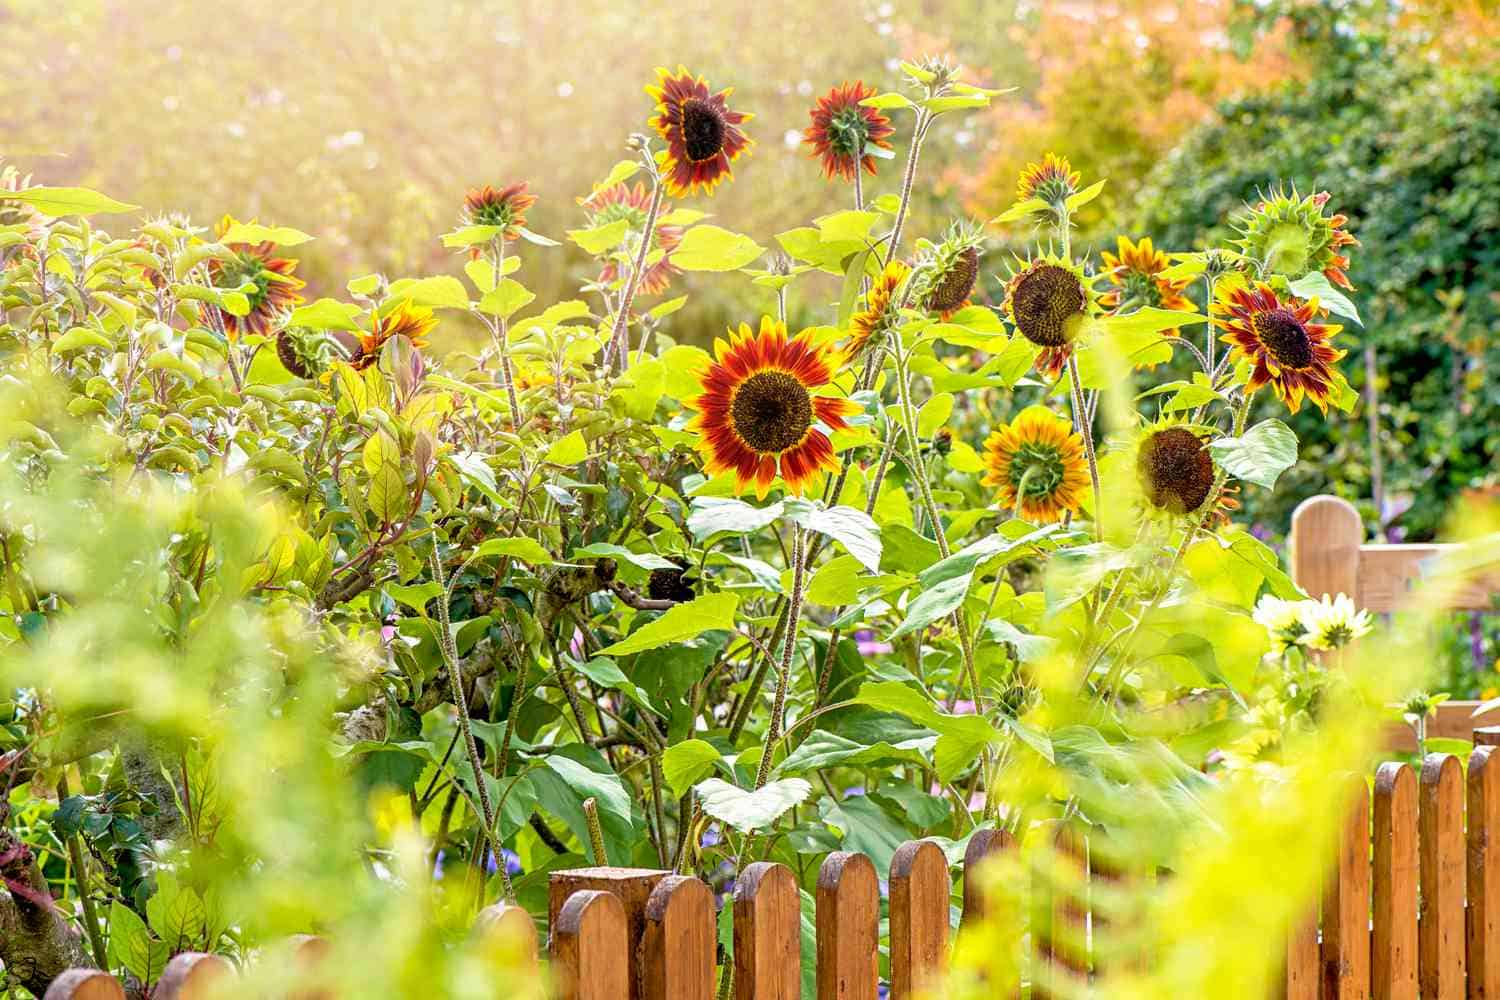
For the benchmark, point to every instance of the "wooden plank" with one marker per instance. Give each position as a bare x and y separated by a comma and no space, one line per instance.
507,940
767,934
677,952
1394,947
848,921
590,949
919,891
1389,574
1302,973
1060,914
1485,736
1346,905
1455,720
1483,920
85,984
1325,540
308,954
983,846
631,885
1119,886
191,975
1441,927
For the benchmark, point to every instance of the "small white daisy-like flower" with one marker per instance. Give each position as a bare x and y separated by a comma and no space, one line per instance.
1334,623
1284,621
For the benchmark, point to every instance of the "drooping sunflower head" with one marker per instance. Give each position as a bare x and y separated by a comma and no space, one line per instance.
405,320
1175,471
950,270
759,412
1050,300
1290,352
702,133
633,205
1037,466
304,353
1292,237
1135,279
1053,180
670,584
869,327
272,284
505,207
843,131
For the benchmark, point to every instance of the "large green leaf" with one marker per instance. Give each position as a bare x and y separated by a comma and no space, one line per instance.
1315,285
574,773
686,763
1264,452
750,811
853,529
684,621
960,737
710,248
825,749
59,201
711,515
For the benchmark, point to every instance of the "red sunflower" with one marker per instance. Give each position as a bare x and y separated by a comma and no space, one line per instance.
275,287
505,208
702,134
758,410
633,204
1292,354
406,320
843,130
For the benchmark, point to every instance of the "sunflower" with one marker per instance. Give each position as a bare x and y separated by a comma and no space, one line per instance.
1135,279
1292,354
633,204
867,328
505,208
406,320
758,411
703,136
1333,623
1177,473
950,270
843,130
275,287
1036,464
302,352
1053,180
1049,301
1293,237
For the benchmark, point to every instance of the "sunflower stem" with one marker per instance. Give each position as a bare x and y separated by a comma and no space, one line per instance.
619,344
502,338
783,681
1085,428
918,133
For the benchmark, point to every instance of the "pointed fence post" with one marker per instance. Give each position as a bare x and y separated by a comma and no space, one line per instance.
919,891
632,886
1441,933
1393,973
681,937
590,950
848,919
190,976
767,934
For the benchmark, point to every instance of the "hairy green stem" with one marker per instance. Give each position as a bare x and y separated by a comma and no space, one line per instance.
1085,428
619,348
918,133
501,330
784,679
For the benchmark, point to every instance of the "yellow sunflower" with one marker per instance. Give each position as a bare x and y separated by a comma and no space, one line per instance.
1134,276
275,286
702,134
1052,180
405,320
867,328
1292,354
1037,466
1049,301
758,411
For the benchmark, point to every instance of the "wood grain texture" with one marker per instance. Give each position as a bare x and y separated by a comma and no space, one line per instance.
190,976
507,939
1390,574
848,922
1393,962
919,891
589,948
1346,905
1441,935
677,951
632,886
1485,736
1302,976
1325,540
983,846
1483,914
767,934
85,984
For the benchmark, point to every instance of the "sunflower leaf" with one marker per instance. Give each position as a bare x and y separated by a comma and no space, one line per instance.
711,612
60,201
1085,196
1020,210
1315,285
710,248
600,238
1261,455
887,101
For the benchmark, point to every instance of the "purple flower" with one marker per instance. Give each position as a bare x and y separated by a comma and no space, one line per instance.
1476,641
963,708
437,867
865,640
710,837
854,791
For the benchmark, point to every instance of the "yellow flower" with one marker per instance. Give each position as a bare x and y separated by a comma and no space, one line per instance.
1037,466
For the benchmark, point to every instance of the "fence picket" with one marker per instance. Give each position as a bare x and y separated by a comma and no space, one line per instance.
919,891
85,984
1441,926
1302,974
1394,944
1484,874
677,951
983,846
590,954
1060,913
848,920
1346,906
767,934
190,976
508,939
631,886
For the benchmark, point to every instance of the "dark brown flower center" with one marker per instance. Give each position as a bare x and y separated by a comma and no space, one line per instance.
1175,470
668,585
772,411
1043,302
958,281
1285,336
703,129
